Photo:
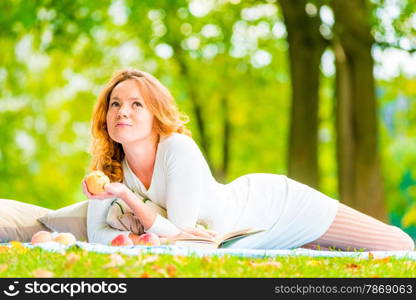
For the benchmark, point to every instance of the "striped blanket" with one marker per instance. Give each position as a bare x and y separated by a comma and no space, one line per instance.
187,251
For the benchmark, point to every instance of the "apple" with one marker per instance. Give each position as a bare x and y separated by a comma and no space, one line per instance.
65,238
95,182
122,240
149,239
41,237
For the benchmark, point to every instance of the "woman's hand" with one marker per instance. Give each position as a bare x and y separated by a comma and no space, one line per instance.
111,190
196,232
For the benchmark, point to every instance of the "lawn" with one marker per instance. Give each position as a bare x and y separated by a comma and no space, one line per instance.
19,261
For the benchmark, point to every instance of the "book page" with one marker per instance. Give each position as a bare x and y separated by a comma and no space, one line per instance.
238,233
220,239
196,239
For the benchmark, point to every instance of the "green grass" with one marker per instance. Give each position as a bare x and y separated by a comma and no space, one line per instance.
19,261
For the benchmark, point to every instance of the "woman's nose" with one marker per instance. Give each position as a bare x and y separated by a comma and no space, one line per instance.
123,111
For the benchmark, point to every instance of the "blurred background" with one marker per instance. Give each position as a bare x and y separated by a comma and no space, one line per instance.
322,91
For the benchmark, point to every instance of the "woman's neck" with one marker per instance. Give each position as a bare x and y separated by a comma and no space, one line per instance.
141,155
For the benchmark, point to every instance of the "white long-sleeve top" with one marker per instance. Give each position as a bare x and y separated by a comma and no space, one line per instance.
182,183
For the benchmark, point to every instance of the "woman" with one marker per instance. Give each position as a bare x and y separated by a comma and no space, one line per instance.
141,143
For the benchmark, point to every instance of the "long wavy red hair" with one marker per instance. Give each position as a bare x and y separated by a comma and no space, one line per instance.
107,154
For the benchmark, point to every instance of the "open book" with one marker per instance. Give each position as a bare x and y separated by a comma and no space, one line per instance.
213,243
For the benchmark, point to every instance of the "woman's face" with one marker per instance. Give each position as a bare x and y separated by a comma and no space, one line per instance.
128,119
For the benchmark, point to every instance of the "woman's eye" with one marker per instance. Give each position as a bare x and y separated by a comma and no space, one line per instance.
137,103
114,104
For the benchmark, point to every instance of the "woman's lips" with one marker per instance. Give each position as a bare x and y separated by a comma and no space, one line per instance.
122,125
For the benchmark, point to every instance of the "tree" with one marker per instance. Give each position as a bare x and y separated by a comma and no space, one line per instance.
306,46
359,171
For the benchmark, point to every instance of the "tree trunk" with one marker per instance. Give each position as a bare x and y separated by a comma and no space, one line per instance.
197,107
193,97
226,127
174,38
306,46
359,170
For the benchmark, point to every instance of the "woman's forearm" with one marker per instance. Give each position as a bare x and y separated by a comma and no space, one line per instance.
145,214
151,221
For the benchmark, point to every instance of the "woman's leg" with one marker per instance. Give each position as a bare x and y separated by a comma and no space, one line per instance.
352,229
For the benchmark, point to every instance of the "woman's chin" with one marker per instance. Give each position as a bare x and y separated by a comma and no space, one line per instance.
120,140
125,140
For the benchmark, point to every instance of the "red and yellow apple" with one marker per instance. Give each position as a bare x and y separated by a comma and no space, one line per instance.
65,238
41,237
121,240
95,182
148,239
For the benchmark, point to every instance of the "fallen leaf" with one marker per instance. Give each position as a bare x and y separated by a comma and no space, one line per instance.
42,273
16,244
3,267
352,266
4,249
171,270
149,259
221,260
145,275
71,259
156,268
21,249
206,260
116,260
382,260
274,264
160,270
313,263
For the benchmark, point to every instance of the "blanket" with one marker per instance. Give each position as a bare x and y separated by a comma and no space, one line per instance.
189,251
